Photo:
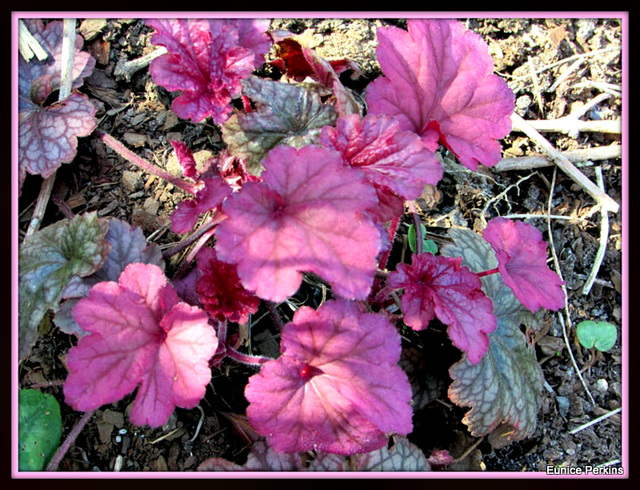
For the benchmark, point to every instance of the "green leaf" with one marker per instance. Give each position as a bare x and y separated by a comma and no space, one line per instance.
506,385
427,245
286,113
403,456
601,335
39,429
48,260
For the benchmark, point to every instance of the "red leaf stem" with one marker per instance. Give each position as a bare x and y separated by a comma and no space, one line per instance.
246,358
127,154
487,273
274,315
201,242
246,104
68,442
206,227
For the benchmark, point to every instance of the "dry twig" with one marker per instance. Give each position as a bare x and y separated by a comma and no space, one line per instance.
595,421
572,126
574,156
566,60
604,238
565,165
126,69
29,45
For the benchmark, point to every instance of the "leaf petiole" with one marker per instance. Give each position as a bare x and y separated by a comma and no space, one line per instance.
487,273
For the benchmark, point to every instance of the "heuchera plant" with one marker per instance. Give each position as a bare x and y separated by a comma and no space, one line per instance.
311,186
48,132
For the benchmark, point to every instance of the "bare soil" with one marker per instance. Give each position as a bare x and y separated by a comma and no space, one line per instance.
526,54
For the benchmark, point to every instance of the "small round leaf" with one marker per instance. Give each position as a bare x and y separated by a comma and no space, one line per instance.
39,429
601,335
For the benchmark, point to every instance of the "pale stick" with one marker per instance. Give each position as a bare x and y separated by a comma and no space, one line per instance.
565,165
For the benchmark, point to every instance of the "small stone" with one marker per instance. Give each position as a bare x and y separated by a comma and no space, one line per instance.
161,464
113,417
602,385
151,206
131,181
90,28
563,405
104,431
119,463
135,139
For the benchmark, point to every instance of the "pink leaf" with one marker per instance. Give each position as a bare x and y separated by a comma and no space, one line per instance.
436,286
209,197
439,82
206,60
185,158
141,336
233,170
337,386
395,161
303,217
220,292
522,262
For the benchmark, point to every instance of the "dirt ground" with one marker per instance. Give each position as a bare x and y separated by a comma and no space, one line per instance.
527,54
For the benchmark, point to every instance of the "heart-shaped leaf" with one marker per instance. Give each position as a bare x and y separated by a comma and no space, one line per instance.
337,386
305,216
438,81
522,261
601,335
141,336
436,286
48,260
285,113
206,60
47,135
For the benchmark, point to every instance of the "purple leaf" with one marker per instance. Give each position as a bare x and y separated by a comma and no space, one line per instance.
286,113
441,287
209,197
220,292
206,61
127,245
142,336
439,82
506,385
39,79
395,161
522,262
337,386
47,136
402,456
303,217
